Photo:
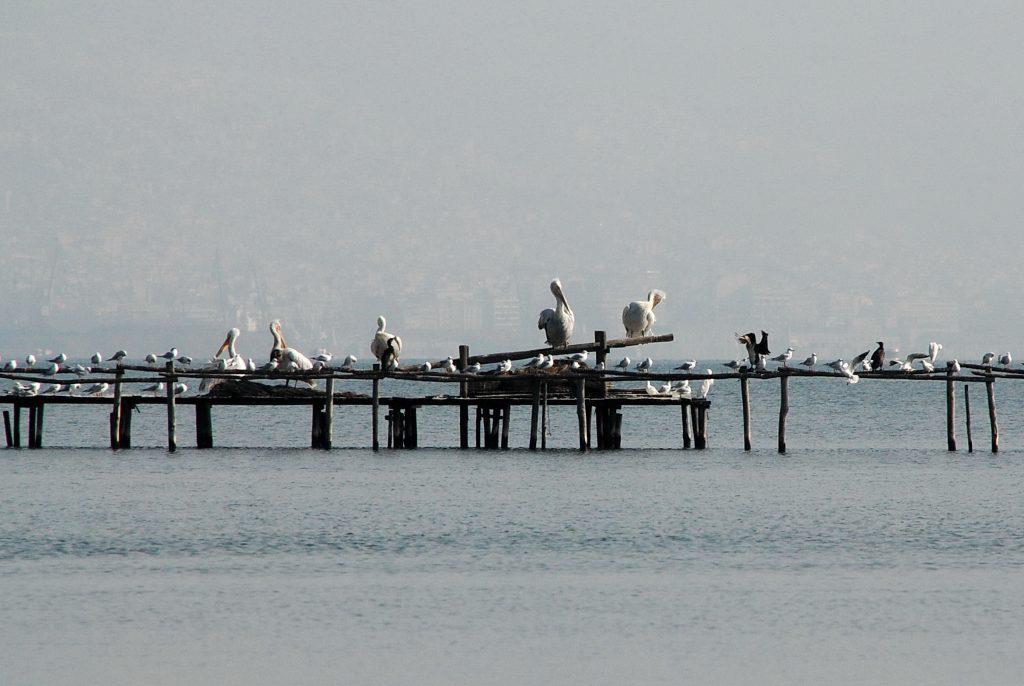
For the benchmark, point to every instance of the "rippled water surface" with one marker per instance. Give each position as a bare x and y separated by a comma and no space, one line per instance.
868,554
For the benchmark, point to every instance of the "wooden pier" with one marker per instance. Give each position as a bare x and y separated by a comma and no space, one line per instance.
487,396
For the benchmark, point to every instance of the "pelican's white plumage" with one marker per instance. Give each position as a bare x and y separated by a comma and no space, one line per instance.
705,386
233,361
559,322
638,316
379,344
933,351
289,359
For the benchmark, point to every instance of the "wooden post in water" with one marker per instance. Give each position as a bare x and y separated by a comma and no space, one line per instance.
745,394
115,425
479,418
684,406
544,420
31,427
581,411
17,424
39,424
783,408
601,338
506,411
463,393
315,425
950,412
204,425
412,438
376,403
172,443
327,432
993,424
124,438
534,415
967,413
7,429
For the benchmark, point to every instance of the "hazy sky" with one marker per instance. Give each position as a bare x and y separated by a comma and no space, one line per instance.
833,172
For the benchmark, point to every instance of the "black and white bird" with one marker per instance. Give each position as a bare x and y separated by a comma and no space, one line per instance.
987,359
762,346
533,362
749,341
547,363
784,358
878,357
811,361
30,360
837,365
449,366
119,355
505,367
859,359
97,358
61,358
687,365
425,367
350,360
1006,359
927,365
623,364
645,365
953,366
185,360
171,354
733,364
473,368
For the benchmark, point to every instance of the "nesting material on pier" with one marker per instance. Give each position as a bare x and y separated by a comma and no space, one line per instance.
241,388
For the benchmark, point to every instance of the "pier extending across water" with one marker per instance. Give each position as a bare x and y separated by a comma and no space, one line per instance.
489,394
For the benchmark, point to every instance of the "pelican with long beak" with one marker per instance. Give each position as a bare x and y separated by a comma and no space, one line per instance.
557,323
232,361
638,316
289,359
385,344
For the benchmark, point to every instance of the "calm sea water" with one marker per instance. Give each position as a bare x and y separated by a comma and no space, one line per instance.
868,554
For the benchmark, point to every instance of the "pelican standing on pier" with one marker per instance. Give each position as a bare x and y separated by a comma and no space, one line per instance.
557,323
379,345
638,316
288,359
233,361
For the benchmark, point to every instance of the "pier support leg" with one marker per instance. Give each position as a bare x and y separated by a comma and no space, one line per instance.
124,439
506,411
39,424
376,404
464,393
7,429
534,416
204,426
993,424
17,425
745,393
950,412
544,421
172,442
617,429
327,433
581,412
599,422
31,427
479,419
684,410
316,425
967,414
783,409
411,430
115,420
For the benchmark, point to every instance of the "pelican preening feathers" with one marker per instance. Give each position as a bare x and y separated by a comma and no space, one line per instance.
557,323
638,316
385,344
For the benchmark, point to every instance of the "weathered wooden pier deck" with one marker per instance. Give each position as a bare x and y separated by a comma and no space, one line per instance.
492,396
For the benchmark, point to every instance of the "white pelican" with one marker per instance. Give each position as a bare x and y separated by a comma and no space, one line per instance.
232,361
623,364
933,351
645,365
987,359
119,355
1006,359
30,360
687,365
96,358
11,365
60,359
638,316
289,359
557,323
505,367
784,358
705,386
379,344
810,361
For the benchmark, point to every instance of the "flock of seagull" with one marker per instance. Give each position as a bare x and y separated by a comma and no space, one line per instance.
557,323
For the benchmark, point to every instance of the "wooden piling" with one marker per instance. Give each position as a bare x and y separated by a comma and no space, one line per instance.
700,438
115,424
684,407
31,427
505,416
967,414
950,412
745,394
39,424
617,430
990,391
463,393
124,438
327,432
783,408
7,429
544,420
581,412
376,404
172,443
479,419
695,424
204,425
534,415
17,424
412,438
316,425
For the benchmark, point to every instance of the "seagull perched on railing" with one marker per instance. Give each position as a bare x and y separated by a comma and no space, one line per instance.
61,358
30,360
97,358
97,389
784,358
505,367
449,366
687,365
733,364
623,364
1005,360
351,360
52,369
927,365
578,357
987,359
645,365
473,368
425,367
682,388
534,361
860,359
953,366
548,362
119,355
837,364
11,365
155,389
810,361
